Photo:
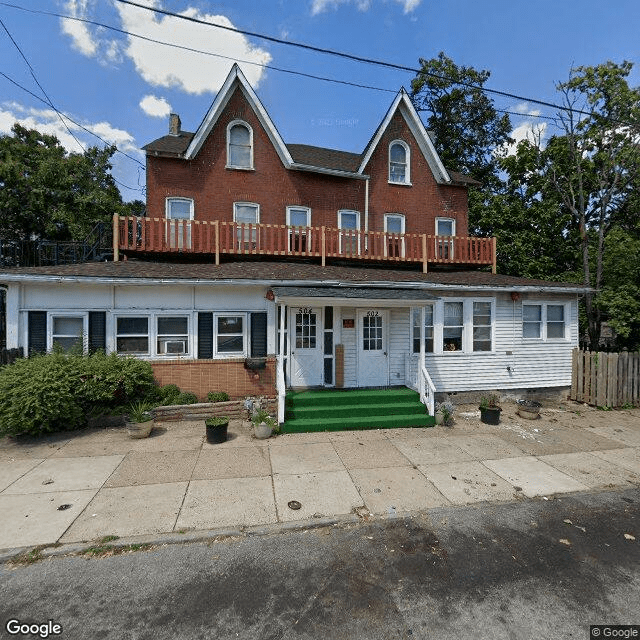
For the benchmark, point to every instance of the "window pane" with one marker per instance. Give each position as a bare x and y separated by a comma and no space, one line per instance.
132,326
66,344
230,344
555,313
246,213
452,339
179,209
532,312
132,345
172,326
239,135
67,326
555,330
394,224
398,153
452,314
348,220
444,228
298,217
230,324
530,329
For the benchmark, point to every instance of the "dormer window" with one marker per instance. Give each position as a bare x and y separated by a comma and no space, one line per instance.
399,157
239,145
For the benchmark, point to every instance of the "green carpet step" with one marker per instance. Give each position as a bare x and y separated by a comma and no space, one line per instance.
357,410
355,423
331,397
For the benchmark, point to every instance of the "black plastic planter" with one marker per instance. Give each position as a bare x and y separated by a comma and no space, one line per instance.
217,433
490,415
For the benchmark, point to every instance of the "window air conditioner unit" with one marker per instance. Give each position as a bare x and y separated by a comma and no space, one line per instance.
173,346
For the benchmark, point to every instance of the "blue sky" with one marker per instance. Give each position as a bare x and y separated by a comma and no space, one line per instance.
123,88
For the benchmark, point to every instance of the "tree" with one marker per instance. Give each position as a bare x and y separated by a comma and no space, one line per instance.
46,192
468,131
593,167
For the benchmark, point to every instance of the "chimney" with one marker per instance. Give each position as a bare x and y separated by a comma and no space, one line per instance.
174,124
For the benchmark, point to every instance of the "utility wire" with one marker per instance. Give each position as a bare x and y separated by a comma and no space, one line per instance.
349,56
64,115
44,93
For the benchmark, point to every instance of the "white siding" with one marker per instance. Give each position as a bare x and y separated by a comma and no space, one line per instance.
350,345
40,297
533,363
399,344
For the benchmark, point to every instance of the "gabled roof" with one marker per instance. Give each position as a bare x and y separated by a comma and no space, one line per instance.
301,156
407,110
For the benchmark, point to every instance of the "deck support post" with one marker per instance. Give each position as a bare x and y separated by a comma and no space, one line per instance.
424,253
116,238
494,258
216,232
323,247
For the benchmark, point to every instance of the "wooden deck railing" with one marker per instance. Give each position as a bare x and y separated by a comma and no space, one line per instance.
218,238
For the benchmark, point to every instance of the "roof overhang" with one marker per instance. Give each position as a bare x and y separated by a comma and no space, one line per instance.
354,295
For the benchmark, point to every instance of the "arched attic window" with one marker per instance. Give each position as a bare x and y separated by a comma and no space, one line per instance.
399,162
239,145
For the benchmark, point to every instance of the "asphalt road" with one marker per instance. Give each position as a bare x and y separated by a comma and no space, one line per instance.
527,570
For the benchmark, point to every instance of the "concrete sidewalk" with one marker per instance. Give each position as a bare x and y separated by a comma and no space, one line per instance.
81,486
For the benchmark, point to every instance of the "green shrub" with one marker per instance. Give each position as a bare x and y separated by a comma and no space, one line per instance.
186,397
218,396
57,391
216,421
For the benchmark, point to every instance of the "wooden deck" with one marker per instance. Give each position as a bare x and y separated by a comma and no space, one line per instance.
216,238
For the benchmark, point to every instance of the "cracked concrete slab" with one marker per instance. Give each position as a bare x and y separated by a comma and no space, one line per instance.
592,470
369,454
426,451
304,458
234,462
154,467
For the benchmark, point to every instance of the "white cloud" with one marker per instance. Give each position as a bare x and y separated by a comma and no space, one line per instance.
47,121
320,6
528,130
155,107
192,72
160,65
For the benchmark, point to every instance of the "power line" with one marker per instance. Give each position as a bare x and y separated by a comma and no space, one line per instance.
200,51
33,75
350,56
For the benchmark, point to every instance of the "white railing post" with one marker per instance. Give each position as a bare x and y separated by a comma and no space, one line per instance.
425,384
280,382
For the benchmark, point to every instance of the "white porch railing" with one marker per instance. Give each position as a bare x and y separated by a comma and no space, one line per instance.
280,381
427,389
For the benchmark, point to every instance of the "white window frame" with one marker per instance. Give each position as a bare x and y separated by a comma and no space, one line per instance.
544,321
246,125
444,248
167,207
417,311
175,227
341,212
149,335
249,236
152,316
296,232
245,334
51,315
490,325
467,327
407,158
188,340
401,217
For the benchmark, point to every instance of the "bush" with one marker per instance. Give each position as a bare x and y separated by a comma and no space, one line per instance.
186,397
218,396
56,391
170,394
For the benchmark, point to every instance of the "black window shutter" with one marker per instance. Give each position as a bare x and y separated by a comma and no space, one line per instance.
37,331
205,336
259,335
97,331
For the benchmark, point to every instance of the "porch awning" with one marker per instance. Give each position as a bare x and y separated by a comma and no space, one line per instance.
355,293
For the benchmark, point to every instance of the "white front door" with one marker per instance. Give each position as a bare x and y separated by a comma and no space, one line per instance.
307,363
373,361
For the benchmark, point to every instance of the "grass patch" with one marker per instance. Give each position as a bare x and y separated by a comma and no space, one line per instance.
104,550
29,557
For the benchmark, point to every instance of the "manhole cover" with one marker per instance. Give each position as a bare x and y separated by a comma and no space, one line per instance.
294,504
63,507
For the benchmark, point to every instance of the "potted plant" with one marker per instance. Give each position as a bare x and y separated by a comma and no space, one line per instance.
217,429
139,419
263,424
529,409
444,413
490,409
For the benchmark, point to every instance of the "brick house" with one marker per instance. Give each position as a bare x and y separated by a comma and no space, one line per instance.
263,266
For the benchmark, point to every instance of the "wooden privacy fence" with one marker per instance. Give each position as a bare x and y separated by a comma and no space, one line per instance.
606,379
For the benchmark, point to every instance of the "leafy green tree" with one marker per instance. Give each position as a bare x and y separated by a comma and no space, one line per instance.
46,192
468,131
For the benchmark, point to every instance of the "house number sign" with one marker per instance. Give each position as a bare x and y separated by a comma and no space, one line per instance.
373,314
305,310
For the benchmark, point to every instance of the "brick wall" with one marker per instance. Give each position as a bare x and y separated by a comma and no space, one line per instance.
215,188
202,376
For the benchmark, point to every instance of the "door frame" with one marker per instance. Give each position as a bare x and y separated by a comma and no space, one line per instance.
293,310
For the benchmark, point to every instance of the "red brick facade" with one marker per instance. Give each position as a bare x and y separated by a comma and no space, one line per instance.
202,376
214,188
